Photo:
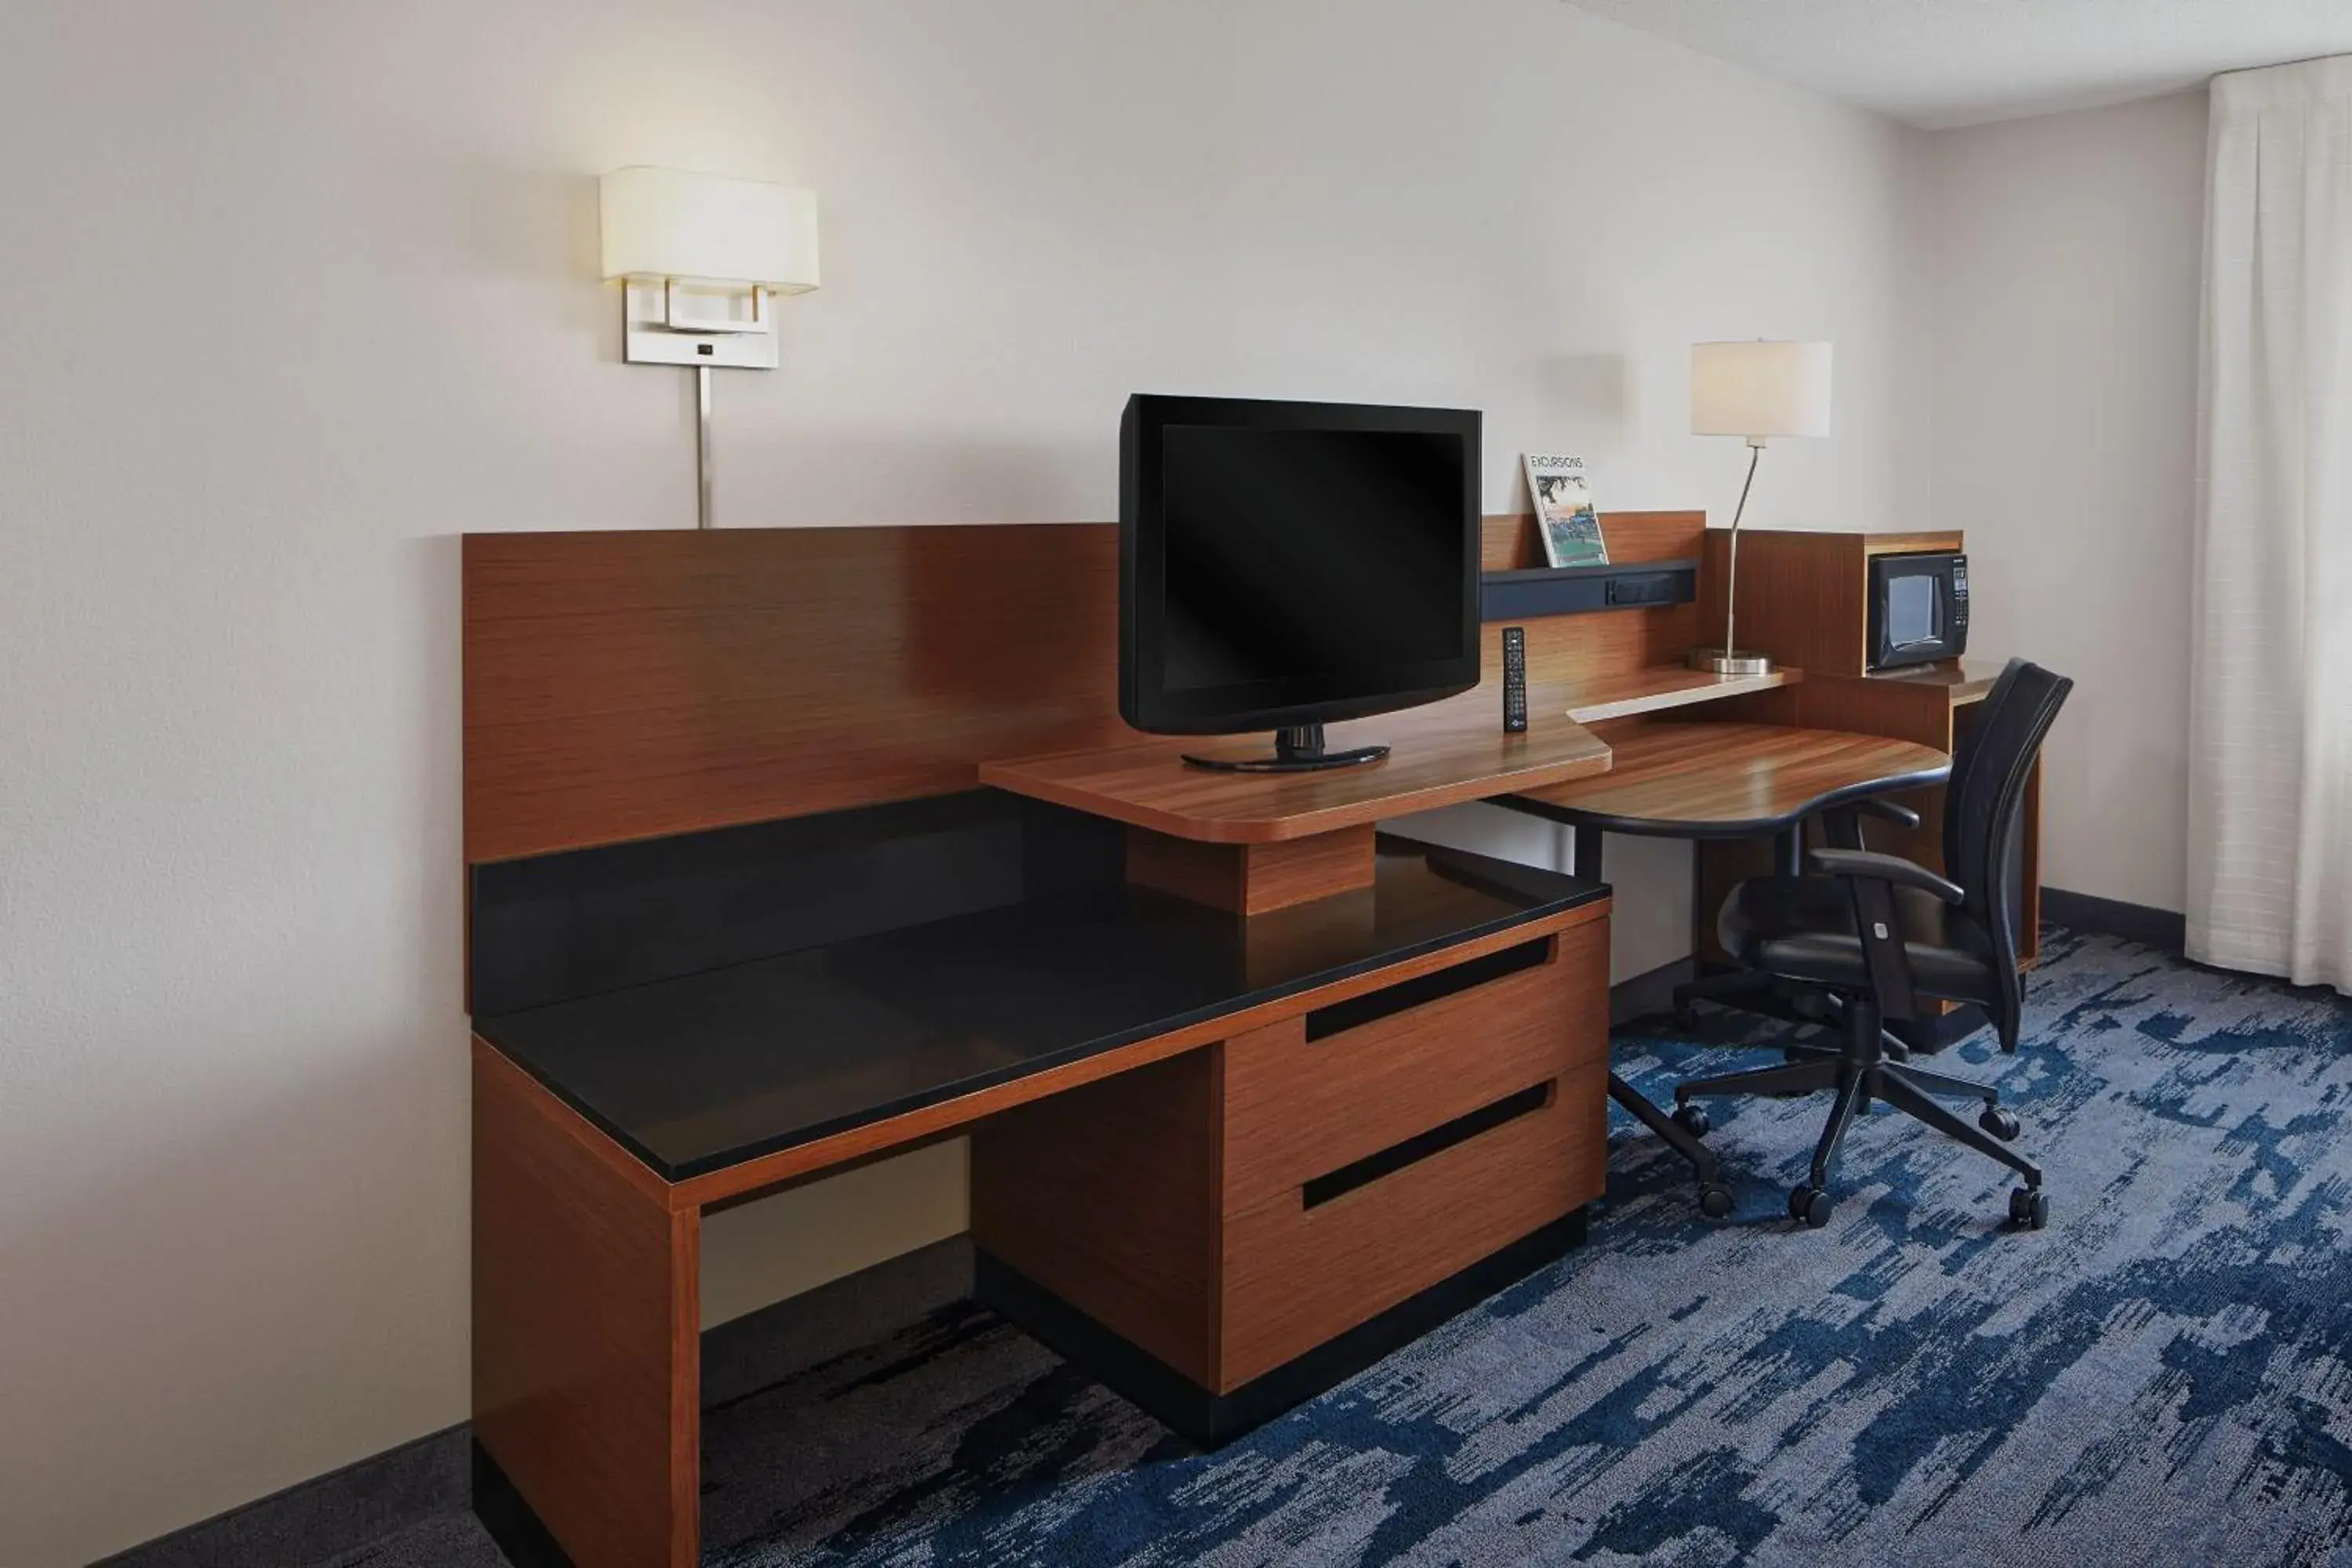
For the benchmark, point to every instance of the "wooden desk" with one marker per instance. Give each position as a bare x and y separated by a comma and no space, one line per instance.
1716,781
1255,1093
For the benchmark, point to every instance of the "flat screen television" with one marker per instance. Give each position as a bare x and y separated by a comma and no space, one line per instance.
1283,565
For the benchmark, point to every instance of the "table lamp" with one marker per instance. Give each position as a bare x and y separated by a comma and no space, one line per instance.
1759,391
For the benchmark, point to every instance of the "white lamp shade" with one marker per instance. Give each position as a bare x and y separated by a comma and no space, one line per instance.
665,223
1760,389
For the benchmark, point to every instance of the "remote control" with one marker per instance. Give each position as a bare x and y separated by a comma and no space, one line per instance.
1515,679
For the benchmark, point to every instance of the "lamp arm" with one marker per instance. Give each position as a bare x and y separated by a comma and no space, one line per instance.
1731,586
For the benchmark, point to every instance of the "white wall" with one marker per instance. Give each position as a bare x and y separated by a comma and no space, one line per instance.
302,291
2068,252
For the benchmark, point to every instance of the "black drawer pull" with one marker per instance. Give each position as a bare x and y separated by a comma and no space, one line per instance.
1422,1145
1374,1005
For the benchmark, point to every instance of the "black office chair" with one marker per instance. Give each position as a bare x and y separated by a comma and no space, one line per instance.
1874,932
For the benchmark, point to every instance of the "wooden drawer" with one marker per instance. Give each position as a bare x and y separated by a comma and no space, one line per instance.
1297,1276
1297,1107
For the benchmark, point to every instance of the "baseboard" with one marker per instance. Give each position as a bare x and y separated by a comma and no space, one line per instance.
1211,1419
345,1511
327,1516
2163,930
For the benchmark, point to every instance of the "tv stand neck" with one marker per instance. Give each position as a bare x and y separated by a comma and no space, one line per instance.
1298,749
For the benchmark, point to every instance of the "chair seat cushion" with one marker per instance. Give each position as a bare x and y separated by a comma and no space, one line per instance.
1802,928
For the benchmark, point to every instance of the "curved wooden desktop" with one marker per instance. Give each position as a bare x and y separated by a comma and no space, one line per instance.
1731,780
1722,782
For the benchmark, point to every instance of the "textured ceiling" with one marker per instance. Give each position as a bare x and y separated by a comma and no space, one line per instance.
1942,63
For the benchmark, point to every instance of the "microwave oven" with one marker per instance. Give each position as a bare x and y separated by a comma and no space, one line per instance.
1918,608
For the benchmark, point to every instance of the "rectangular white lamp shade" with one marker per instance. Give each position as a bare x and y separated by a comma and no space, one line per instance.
1760,389
665,223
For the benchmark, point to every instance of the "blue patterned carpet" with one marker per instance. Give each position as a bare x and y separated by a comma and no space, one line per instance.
2164,1376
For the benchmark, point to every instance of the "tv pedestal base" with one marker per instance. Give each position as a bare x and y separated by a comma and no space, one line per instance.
1296,750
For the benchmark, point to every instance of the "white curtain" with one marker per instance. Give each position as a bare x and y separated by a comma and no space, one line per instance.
2269,789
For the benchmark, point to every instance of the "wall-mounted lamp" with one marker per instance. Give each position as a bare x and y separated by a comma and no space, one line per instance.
701,259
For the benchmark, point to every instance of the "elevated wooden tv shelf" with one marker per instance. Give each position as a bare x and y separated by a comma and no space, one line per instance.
1580,669
1250,843
1443,755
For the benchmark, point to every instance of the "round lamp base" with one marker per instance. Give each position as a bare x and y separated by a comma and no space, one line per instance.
1739,662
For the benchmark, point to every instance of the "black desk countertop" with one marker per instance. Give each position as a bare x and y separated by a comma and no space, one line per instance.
705,1071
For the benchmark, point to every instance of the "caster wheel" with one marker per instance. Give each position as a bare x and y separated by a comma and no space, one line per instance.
1692,1120
1810,1204
1715,1201
2029,1208
2001,1125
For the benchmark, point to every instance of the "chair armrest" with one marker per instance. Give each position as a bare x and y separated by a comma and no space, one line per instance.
1893,868
1902,816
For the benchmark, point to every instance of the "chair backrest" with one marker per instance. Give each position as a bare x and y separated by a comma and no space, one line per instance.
1984,812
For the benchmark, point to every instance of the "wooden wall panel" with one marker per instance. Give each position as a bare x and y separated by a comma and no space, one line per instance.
1801,598
1570,650
1900,708
1509,541
627,685
622,686
1574,650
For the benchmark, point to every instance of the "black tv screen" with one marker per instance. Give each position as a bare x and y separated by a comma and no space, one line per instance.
1289,563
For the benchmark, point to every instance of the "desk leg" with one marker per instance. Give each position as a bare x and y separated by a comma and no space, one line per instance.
1588,853
1789,851
587,1350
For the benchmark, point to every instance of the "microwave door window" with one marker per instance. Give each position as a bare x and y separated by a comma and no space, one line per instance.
1913,615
